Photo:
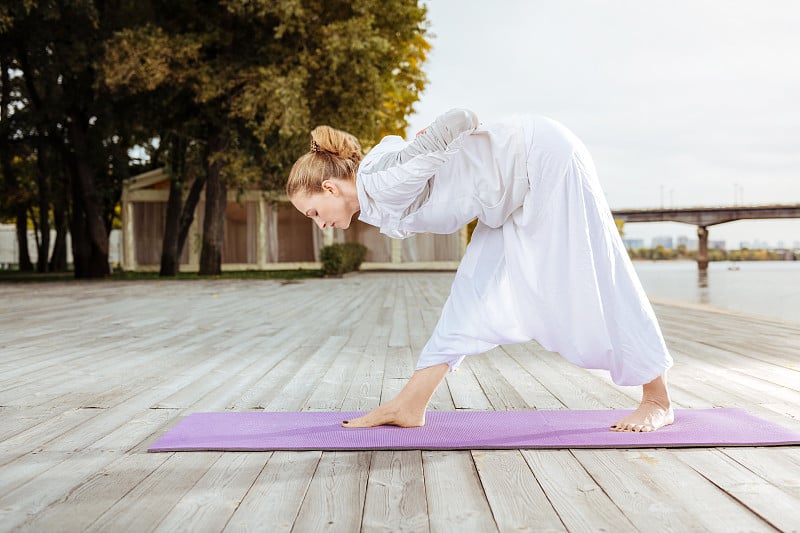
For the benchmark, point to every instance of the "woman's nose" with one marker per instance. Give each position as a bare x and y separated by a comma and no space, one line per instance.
320,223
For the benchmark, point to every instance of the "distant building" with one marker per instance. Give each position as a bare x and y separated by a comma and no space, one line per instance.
757,244
9,248
690,244
633,244
716,245
263,232
666,242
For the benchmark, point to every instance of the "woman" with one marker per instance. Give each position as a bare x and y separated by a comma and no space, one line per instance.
545,261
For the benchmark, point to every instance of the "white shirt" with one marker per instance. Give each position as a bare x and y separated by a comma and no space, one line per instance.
449,175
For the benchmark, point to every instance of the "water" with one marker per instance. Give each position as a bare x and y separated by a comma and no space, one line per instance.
770,288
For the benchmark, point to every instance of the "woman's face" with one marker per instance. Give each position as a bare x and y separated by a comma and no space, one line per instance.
329,208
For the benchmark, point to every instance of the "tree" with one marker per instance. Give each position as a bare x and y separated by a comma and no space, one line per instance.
72,122
15,197
620,226
185,167
259,75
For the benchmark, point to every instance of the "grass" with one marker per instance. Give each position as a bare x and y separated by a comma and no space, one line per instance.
15,276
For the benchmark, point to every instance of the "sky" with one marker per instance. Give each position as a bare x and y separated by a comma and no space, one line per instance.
680,102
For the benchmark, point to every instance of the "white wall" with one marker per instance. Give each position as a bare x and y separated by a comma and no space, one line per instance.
9,251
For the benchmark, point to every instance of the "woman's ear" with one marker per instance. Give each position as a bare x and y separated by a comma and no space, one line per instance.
331,187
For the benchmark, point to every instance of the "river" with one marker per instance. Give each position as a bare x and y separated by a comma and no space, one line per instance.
770,288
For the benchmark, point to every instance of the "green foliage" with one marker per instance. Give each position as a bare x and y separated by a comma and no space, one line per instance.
662,254
268,72
340,258
75,134
90,80
753,255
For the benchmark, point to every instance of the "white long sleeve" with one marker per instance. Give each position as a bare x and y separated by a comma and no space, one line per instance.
396,173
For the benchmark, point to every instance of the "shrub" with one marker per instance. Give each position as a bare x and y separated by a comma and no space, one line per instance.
340,258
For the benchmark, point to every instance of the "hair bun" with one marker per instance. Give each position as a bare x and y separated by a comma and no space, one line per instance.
335,142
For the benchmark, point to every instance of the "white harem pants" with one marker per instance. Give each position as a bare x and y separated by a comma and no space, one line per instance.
556,272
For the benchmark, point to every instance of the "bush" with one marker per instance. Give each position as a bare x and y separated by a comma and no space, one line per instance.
339,258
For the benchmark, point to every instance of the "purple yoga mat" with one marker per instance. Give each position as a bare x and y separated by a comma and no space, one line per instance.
453,430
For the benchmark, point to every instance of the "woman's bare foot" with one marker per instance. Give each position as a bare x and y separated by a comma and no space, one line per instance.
654,412
389,414
408,408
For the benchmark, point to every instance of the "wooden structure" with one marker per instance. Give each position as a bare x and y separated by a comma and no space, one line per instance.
91,374
264,231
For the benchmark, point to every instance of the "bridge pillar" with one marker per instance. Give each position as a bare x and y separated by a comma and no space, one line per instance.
702,248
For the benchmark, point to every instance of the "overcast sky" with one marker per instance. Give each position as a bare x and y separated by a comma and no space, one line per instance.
681,102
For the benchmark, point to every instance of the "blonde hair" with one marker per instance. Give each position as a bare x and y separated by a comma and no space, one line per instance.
334,154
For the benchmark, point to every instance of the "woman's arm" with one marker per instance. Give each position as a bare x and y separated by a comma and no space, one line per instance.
440,133
401,175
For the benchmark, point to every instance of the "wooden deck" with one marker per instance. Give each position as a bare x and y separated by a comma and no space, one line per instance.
92,373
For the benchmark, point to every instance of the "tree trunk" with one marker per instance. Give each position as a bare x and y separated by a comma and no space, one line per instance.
177,229
44,210
187,217
81,251
170,255
171,249
58,260
94,225
214,220
25,264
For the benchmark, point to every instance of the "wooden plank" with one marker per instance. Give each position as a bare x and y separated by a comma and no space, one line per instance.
652,487
17,419
302,385
530,390
223,368
35,468
400,361
335,498
456,501
215,497
331,389
771,503
496,388
280,490
391,387
442,400
581,504
74,509
467,393
228,344
395,498
515,497
760,379
770,373
143,508
364,391
398,335
269,386
779,466
30,439
574,387
275,497
39,493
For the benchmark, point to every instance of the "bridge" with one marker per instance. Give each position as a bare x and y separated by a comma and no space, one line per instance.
703,217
